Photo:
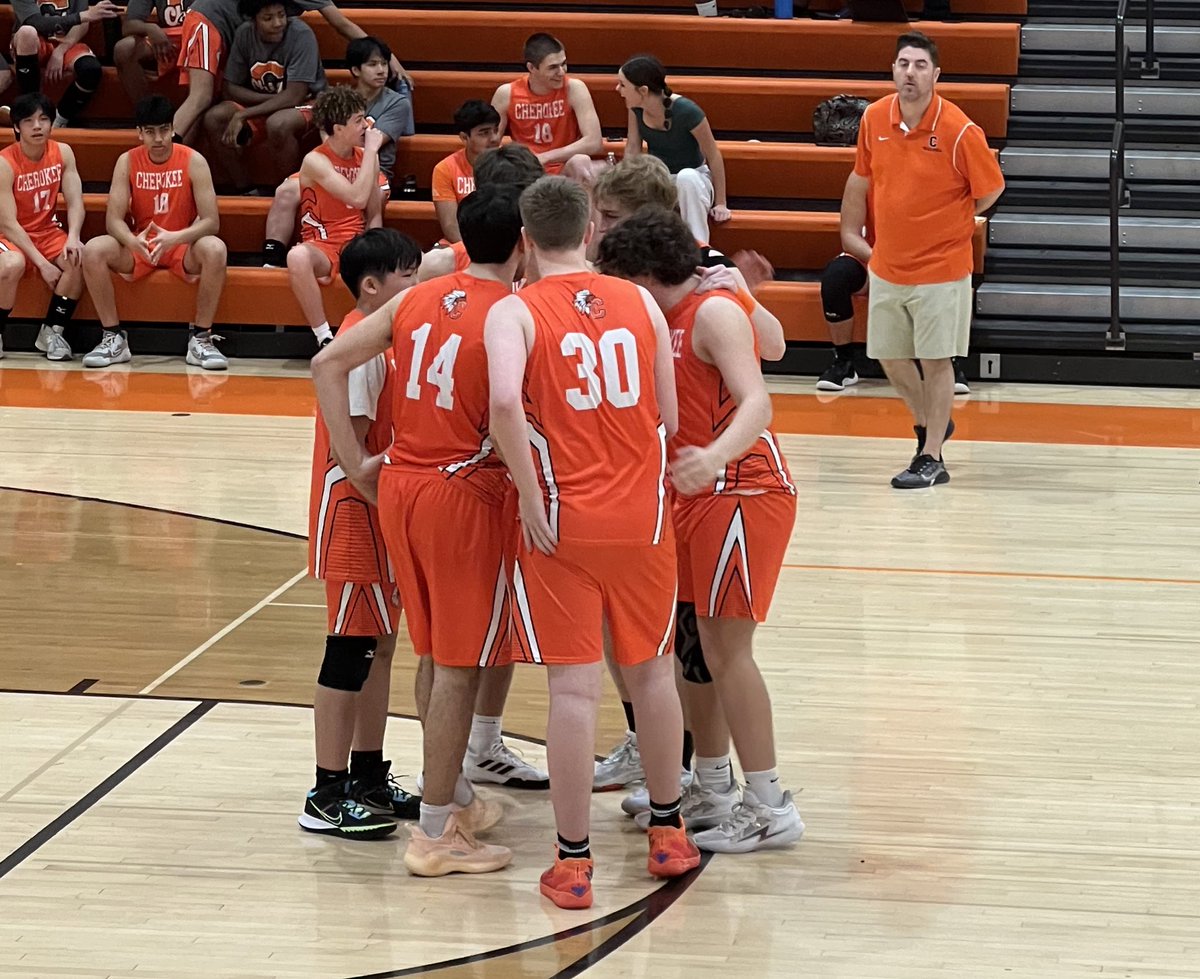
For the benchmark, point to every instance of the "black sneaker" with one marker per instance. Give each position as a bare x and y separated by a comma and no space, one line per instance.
960,379
383,796
925,471
324,343
332,811
838,376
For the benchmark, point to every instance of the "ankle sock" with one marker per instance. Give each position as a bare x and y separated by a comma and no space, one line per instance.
766,787
574,849
433,819
485,732
627,706
328,776
715,774
274,252
323,332
666,814
464,793
367,765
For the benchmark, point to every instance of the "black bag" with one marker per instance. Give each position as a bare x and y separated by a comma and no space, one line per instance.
835,121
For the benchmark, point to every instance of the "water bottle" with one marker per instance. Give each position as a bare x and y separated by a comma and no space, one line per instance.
783,9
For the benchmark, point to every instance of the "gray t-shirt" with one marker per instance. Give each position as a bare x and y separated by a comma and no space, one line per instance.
297,7
392,114
223,14
676,147
170,12
48,19
268,68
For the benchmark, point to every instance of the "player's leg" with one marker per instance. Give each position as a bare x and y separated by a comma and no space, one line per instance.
488,758
104,257
281,222
12,269
87,72
840,280
201,92
133,56
941,331
207,258
26,45
306,263
64,298
695,200
623,765
284,130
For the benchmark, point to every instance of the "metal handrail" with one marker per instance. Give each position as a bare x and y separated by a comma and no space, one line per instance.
1118,195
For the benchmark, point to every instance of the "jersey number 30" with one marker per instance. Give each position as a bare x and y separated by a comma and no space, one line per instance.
618,363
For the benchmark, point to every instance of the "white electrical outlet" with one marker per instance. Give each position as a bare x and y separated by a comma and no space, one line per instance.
989,366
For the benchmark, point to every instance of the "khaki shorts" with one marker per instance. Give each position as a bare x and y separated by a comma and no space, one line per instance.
928,322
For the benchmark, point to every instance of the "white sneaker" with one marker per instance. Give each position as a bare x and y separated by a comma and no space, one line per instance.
754,826
500,765
639,799
52,344
113,348
622,766
202,352
701,808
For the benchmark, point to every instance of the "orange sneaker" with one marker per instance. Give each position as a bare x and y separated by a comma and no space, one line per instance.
672,854
456,851
569,883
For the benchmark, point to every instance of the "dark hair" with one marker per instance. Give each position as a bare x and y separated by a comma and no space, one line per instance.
555,212
249,9
335,106
153,110
654,242
512,164
360,50
489,221
915,39
645,70
377,252
538,47
28,106
474,113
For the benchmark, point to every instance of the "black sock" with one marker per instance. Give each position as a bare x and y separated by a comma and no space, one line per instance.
4,314
628,707
327,776
73,101
568,850
28,74
667,815
843,351
274,253
367,765
196,331
60,311
689,749
921,431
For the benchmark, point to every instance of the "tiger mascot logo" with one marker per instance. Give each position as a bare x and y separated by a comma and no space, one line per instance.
454,303
268,76
588,305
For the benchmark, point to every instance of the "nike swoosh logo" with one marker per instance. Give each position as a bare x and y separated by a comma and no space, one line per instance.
883,139
329,819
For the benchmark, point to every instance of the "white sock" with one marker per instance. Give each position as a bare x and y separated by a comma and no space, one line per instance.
464,792
323,333
766,788
433,819
485,732
714,773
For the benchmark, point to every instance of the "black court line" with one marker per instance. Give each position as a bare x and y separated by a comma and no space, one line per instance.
56,826
82,685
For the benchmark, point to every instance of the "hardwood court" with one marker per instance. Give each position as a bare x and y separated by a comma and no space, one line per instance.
986,698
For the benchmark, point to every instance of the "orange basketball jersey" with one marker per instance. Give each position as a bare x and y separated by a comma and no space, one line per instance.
345,540
440,402
541,122
598,441
324,217
36,184
161,193
706,408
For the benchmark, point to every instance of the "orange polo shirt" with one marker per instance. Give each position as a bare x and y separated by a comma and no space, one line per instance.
924,184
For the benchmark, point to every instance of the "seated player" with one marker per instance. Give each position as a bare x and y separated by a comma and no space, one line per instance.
149,46
274,65
478,126
550,113
49,38
33,171
359,800
387,110
165,191
339,198
734,509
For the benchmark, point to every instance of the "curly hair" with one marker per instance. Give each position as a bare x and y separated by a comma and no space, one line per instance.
335,106
654,242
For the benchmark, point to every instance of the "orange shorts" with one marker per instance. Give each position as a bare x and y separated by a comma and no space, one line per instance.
169,65
332,250
47,47
559,601
362,609
50,242
172,262
201,46
446,542
731,548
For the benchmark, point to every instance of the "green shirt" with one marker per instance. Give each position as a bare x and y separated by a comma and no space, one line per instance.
676,147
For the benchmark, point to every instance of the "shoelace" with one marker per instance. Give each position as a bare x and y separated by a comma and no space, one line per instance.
206,343
510,756
110,343
622,752
742,817
355,810
395,789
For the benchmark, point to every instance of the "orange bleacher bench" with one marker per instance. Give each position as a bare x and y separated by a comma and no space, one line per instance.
990,8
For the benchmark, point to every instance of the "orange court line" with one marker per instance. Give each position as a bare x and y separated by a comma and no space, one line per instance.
1032,575
203,392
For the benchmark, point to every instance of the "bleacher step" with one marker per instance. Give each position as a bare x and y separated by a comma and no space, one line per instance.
1060,302
1177,102
1168,235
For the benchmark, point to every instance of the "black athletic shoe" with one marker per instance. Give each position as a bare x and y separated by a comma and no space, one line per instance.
332,811
325,343
838,376
925,471
960,379
384,797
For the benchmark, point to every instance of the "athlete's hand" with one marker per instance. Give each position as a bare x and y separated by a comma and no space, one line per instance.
717,277
161,243
754,267
230,136
720,213
373,140
535,528
73,252
55,64
141,244
693,470
101,10
50,273
163,47
366,478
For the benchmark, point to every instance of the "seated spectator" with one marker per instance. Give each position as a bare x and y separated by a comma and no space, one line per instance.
165,191
388,111
676,131
33,172
339,198
548,112
149,46
49,38
478,126
274,66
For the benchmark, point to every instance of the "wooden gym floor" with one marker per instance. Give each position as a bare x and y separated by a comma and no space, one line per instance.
986,699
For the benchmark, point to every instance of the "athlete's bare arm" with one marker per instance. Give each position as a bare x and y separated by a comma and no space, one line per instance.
316,169
500,102
633,137
716,165
590,141
664,366
854,218
12,230
435,263
72,191
116,215
373,212
447,215
208,214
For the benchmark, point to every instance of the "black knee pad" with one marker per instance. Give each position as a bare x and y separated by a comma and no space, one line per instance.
87,73
687,644
840,280
347,662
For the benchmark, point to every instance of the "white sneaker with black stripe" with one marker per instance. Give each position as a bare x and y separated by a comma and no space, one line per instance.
500,765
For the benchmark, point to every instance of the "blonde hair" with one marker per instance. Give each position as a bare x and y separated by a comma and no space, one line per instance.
555,212
636,182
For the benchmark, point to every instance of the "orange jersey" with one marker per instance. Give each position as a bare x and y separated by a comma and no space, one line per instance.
345,540
161,193
453,178
440,405
598,441
541,122
324,217
36,184
706,408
